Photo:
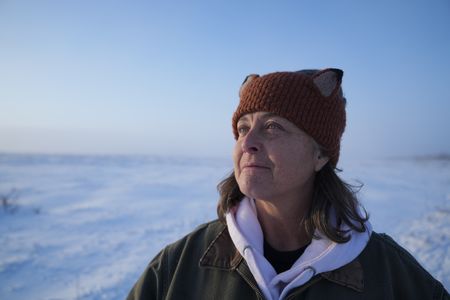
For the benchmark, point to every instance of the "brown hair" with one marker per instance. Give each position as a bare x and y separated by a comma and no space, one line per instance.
330,192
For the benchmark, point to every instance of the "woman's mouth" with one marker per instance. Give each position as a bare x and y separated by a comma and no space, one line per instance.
253,166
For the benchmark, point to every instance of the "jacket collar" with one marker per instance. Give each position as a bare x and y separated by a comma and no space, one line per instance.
222,254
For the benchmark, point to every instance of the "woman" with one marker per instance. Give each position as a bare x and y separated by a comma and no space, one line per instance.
289,227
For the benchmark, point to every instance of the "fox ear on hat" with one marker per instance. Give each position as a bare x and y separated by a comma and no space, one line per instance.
328,81
247,80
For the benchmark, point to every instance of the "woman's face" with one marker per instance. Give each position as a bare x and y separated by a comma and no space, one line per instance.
273,158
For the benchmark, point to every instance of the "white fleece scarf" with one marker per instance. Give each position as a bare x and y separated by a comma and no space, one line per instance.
322,255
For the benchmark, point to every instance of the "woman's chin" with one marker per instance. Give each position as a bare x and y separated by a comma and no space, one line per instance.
255,192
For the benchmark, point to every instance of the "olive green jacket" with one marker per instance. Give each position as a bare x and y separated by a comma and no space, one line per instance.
206,265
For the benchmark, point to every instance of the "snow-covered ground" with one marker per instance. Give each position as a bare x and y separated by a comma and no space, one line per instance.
85,227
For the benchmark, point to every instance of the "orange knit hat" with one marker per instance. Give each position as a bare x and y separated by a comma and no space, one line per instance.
310,99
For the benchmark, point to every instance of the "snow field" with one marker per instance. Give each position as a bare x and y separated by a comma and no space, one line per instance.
86,226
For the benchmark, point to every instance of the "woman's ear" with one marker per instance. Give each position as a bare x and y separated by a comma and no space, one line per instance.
328,81
247,80
320,161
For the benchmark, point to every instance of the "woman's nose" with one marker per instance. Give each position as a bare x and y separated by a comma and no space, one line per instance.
251,142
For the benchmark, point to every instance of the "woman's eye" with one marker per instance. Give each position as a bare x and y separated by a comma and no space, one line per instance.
273,125
242,130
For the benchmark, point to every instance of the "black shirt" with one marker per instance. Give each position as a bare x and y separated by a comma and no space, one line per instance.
282,260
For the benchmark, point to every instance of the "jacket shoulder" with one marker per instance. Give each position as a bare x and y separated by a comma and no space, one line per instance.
201,237
389,266
154,282
391,247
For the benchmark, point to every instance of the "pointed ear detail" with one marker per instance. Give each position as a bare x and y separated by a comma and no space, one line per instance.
247,80
328,80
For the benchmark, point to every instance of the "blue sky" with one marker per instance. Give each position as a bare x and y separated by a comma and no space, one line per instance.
162,77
